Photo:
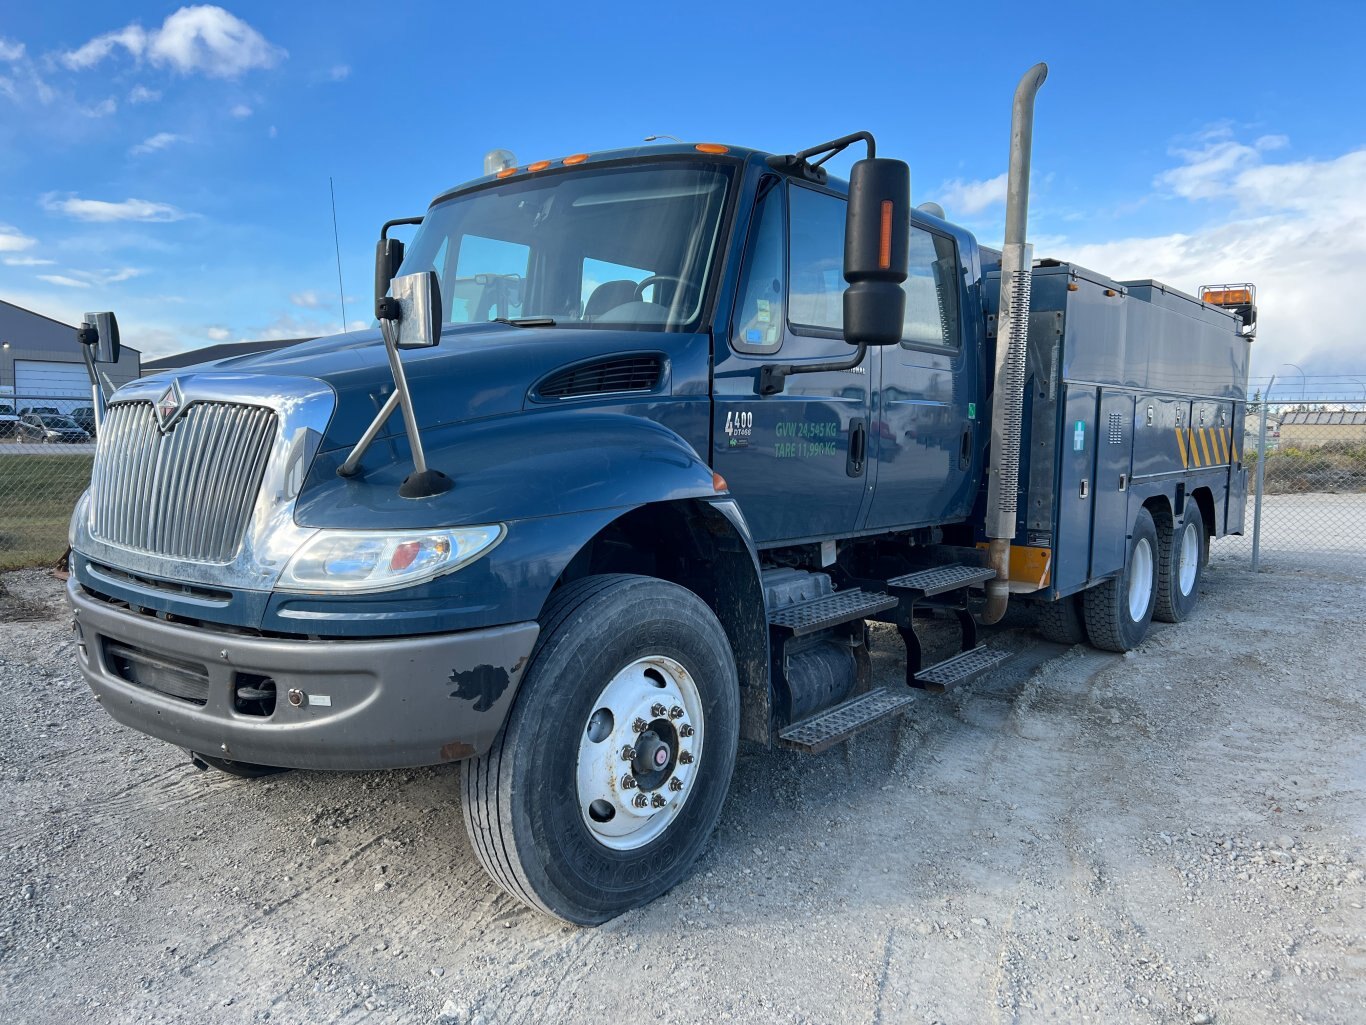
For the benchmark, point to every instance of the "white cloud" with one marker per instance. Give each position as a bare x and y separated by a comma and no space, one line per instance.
1298,231
102,210
157,142
10,51
61,279
273,132
27,261
339,72
240,111
141,94
309,299
965,198
205,39
12,240
218,334
104,108
86,278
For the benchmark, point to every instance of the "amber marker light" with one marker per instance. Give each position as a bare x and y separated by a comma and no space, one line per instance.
540,165
577,158
884,242
507,172
711,147
718,483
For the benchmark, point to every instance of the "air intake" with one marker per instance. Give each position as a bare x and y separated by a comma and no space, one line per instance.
640,373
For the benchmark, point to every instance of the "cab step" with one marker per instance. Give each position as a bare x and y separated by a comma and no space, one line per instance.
964,666
808,617
938,579
830,726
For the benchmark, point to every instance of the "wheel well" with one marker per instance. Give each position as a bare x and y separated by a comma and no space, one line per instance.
1204,499
1160,507
694,545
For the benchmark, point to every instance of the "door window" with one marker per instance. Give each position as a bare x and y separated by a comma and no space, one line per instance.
817,263
759,314
931,292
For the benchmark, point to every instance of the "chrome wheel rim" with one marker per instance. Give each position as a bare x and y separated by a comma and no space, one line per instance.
1190,558
639,752
1140,579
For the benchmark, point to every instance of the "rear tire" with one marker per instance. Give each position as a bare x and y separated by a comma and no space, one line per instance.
1119,611
1182,552
1062,621
548,812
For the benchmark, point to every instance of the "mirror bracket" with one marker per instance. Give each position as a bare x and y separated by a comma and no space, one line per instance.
773,376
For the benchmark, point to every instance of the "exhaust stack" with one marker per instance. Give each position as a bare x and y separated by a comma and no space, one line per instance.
1012,330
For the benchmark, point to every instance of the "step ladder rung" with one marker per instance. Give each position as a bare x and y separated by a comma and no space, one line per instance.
830,610
829,727
938,579
961,668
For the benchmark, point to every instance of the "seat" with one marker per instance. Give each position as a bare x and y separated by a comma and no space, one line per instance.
608,296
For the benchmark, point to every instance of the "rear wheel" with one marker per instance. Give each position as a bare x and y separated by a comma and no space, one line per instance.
609,775
1181,556
1119,611
1062,622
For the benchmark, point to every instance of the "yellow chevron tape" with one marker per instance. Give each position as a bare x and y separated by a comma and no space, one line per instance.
1223,444
1204,446
1194,447
1181,444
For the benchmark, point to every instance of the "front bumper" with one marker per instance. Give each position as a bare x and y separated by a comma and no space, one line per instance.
365,704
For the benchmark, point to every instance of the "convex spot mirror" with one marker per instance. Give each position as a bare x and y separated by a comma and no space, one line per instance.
105,330
419,303
877,234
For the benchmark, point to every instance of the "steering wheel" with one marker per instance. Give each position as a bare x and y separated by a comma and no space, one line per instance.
645,283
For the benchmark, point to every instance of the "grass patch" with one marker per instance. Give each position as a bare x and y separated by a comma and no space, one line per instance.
37,494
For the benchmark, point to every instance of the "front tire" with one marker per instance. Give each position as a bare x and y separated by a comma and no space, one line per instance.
632,678
1181,556
1120,610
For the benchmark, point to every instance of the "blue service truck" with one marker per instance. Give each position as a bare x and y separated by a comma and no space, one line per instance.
642,441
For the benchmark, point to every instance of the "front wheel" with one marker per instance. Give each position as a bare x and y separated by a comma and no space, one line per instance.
1120,610
609,775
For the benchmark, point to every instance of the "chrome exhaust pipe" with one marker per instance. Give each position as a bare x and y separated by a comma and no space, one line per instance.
1012,331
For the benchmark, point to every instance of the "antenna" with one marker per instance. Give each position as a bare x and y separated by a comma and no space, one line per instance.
336,241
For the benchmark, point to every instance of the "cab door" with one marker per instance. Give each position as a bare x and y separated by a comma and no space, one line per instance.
796,461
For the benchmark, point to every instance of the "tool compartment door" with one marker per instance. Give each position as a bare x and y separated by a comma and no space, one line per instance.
1114,470
1076,475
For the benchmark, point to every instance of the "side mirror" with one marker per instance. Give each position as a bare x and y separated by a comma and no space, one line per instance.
876,243
101,332
418,298
388,259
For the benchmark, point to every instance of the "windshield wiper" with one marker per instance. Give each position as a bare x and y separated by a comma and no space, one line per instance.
525,321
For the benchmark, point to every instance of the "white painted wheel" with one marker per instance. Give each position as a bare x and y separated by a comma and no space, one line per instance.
639,752
1140,580
1190,557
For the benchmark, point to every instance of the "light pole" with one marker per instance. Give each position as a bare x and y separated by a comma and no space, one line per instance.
1302,379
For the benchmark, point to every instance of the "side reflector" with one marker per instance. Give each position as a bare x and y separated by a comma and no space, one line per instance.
884,243
577,158
711,147
718,483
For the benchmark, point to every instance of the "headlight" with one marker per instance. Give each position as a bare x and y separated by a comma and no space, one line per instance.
372,560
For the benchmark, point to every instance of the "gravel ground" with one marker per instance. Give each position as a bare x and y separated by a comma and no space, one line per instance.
1178,835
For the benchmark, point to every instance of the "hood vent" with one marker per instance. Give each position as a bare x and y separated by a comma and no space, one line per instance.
609,376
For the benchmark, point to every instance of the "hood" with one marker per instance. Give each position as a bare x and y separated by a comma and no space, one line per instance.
477,371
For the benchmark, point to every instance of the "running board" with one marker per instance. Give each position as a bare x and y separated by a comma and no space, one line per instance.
808,617
964,666
831,726
938,579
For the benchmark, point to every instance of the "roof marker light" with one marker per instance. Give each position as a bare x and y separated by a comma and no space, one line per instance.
711,147
540,165
577,158
507,172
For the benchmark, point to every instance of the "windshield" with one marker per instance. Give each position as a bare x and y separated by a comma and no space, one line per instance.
56,421
626,246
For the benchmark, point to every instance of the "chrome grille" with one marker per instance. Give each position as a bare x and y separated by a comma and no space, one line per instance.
188,494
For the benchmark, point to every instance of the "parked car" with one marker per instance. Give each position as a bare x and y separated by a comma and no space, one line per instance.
50,428
40,409
9,421
85,418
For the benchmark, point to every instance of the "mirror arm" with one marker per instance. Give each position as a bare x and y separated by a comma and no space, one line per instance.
773,375
384,229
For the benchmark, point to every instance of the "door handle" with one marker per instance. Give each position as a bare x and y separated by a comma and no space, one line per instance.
1085,489
965,449
858,448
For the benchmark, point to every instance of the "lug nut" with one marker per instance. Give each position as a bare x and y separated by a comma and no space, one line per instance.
628,753
685,730
640,800
628,782
685,758
657,710
640,725
675,784
675,712
657,800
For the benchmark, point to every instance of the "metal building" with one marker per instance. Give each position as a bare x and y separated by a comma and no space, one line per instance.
41,362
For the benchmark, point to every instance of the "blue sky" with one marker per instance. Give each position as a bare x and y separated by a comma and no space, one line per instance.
172,163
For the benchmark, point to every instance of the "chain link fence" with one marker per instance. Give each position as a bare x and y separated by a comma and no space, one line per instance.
47,446
1306,462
